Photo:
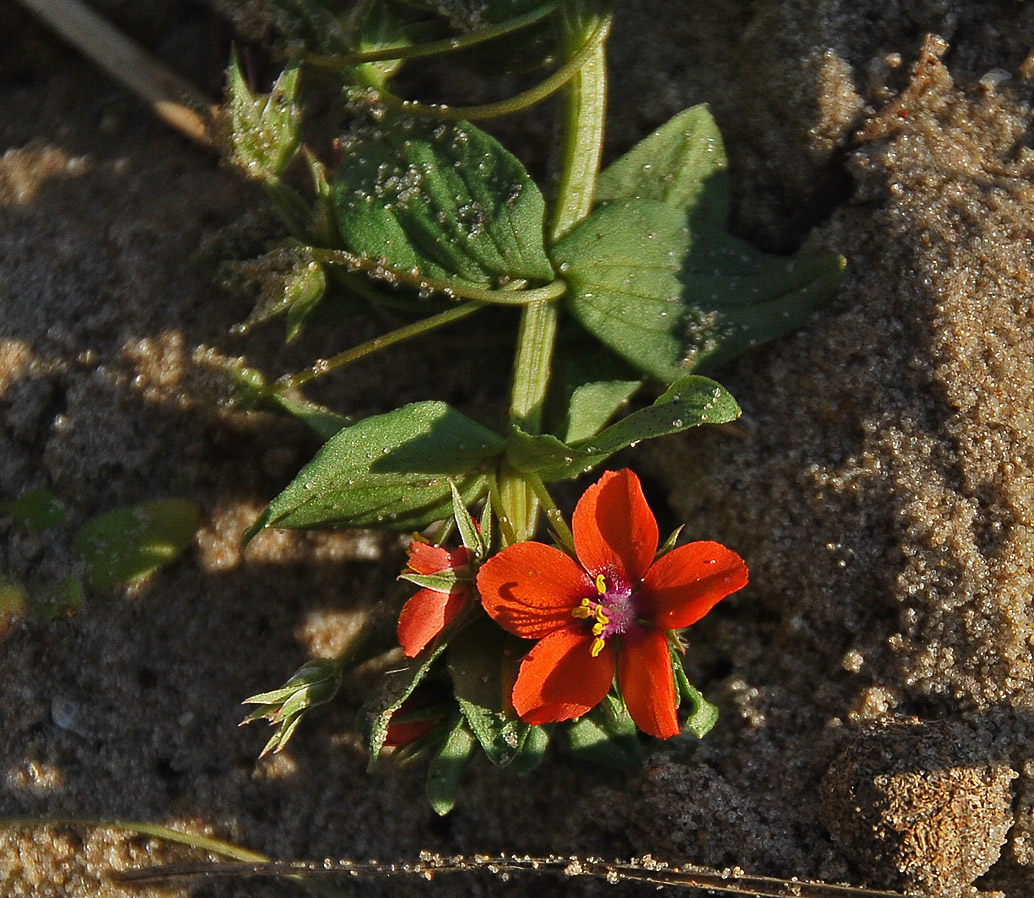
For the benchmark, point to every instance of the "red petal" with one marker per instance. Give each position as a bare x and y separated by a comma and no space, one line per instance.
615,533
424,616
530,588
428,559
647,682
688,582
560,679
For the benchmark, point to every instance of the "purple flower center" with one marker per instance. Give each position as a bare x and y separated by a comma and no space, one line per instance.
612,610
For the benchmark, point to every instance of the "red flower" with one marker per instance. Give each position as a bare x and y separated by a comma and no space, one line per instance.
610,609
425,615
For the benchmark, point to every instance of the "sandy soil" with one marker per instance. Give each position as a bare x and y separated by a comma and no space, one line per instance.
875,680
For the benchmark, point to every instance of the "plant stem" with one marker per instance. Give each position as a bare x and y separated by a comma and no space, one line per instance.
583,144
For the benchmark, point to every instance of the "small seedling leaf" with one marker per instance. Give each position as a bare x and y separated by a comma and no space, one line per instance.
129,543
37,509
390,471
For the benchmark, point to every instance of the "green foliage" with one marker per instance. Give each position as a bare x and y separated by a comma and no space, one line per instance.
37,509
315,683
483,663
290,283
263,128
653,276
129,543
607,736
392,470
442,198
443,775
689,402
702,714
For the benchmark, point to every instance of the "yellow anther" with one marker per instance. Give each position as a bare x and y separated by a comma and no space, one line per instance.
583,611
597,629
597,646
601,584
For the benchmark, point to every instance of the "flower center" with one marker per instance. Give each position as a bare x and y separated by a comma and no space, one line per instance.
612,611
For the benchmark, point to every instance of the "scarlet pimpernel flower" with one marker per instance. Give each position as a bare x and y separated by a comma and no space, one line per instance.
447,580
614,608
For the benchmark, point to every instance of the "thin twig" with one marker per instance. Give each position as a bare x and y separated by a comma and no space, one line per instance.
172,99
730,881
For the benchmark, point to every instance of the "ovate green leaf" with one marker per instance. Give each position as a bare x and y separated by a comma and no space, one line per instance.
443,775
682,163
483,662
130,543
37,509
671,301
607,736
444,199
391,470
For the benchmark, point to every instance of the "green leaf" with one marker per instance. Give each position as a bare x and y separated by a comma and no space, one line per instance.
392,690
129,543
683,164
444,199
391,470
445,770
671,300
689,402
37,509
263,127
483,662
593,405
532,749
702,714
607,736
14,605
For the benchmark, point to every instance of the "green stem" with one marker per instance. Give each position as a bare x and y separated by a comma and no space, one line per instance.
431,48
453,288
580,27
566,73
416,329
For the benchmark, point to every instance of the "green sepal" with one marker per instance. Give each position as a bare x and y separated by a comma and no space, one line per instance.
682,164
483,662
688,402
129,543
469,532
532,749
442,581
447,766
671,299
607,736
390,471
264,128
702,714
443,200
315,683
37,509
290,283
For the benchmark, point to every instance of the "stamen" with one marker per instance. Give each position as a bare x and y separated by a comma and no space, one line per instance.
583,611
601,584
597,646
